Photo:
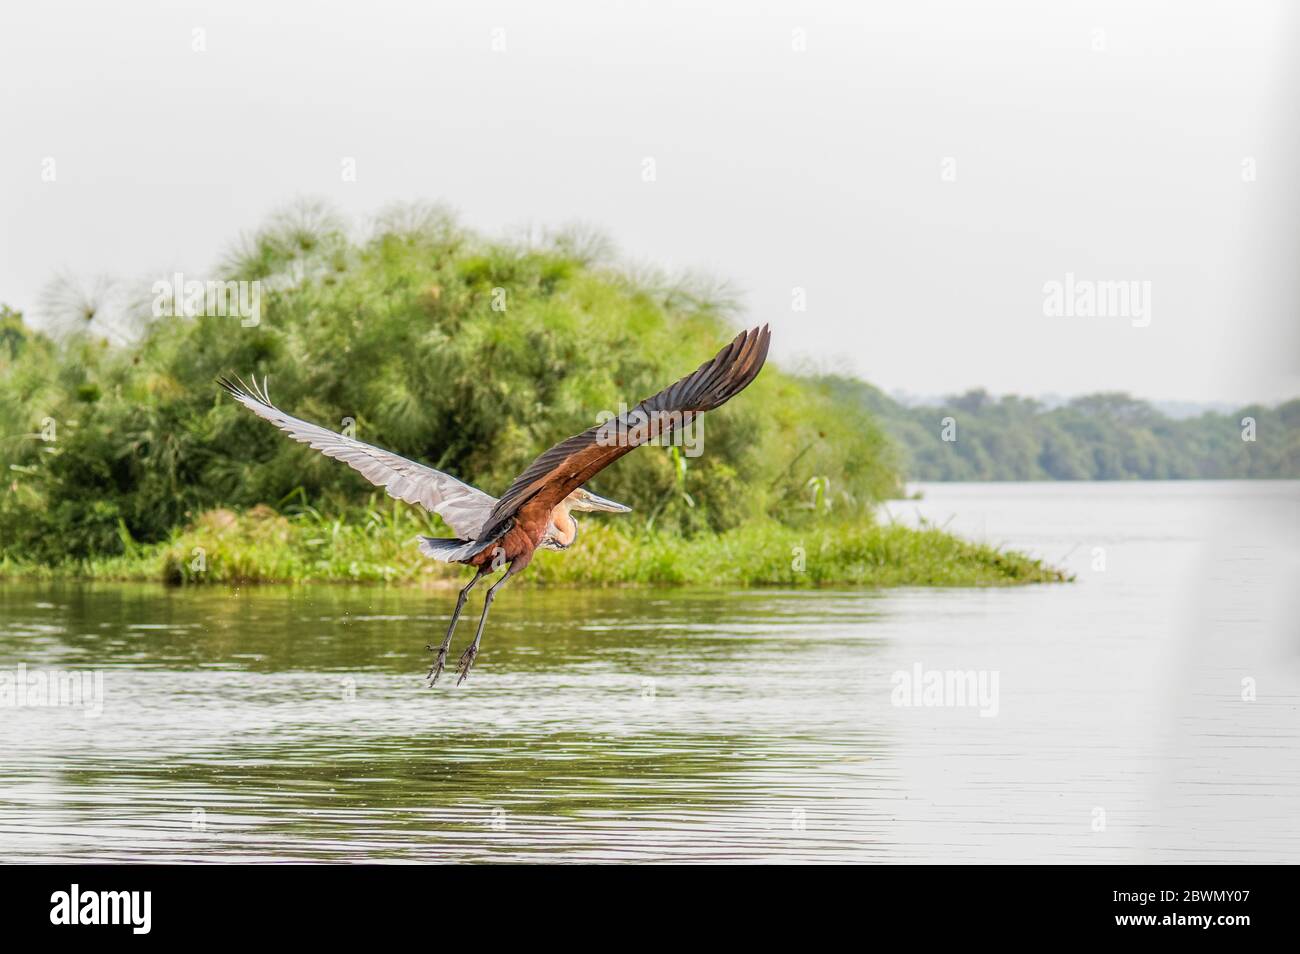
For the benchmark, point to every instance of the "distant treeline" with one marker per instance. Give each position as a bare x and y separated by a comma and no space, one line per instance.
976,436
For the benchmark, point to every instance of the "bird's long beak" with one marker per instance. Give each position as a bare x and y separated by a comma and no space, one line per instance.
594,502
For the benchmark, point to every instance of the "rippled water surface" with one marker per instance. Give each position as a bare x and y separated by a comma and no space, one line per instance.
1150,711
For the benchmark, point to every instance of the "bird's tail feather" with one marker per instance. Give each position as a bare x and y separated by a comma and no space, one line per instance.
453,549
446,549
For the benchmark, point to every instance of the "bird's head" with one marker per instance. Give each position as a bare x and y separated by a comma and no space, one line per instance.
585,501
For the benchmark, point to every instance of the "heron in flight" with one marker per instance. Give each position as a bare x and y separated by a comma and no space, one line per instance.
536,511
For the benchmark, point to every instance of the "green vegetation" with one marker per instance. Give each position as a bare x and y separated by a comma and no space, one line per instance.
375,545
125,460
1098,437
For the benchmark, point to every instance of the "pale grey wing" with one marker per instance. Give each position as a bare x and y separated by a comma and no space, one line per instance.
464,508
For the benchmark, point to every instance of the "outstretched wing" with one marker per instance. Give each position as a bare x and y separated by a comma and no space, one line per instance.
571,463
464,508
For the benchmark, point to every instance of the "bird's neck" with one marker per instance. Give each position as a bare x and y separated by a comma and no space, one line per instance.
566,527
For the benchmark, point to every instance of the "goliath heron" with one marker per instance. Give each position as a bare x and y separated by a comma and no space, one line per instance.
536,510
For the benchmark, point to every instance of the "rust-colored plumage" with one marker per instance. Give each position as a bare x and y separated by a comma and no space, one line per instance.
536,509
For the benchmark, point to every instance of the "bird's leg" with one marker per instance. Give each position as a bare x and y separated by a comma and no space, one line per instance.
467,658
436,669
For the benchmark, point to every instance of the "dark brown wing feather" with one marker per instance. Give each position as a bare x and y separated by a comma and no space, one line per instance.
572,462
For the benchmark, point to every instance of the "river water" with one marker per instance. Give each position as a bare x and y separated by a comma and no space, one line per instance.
1147,712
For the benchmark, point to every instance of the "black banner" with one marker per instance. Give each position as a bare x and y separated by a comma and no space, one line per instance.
332,904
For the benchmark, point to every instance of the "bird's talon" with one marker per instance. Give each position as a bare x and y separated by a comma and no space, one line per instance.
466,661
436,669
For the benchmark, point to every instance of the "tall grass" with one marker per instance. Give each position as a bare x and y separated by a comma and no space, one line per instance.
376,544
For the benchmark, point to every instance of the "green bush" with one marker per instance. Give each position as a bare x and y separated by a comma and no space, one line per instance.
468,354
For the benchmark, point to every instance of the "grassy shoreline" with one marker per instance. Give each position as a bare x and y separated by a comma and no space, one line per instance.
377,546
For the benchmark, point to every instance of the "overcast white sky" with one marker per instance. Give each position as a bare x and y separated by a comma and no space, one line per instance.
776,169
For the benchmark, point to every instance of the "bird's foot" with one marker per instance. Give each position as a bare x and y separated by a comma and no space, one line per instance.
438,665
466,660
